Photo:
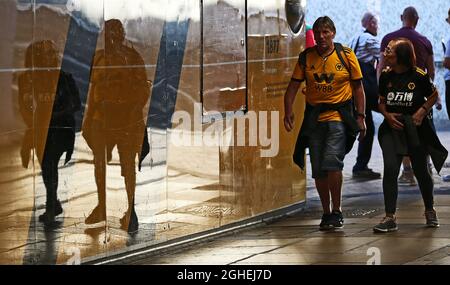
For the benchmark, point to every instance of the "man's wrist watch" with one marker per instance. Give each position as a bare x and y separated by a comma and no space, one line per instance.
361,115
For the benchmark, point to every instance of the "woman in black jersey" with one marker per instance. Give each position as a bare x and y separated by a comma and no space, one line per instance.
406,97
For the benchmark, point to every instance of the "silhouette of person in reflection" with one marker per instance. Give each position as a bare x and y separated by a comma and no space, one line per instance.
118,92
48,100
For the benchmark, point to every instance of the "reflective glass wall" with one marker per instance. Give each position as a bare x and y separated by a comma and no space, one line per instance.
129,123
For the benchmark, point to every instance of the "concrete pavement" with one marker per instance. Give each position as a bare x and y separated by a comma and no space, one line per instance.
296,239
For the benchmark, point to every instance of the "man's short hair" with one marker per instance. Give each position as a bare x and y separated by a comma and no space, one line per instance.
324,21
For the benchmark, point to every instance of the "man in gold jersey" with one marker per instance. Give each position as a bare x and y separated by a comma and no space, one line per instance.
333,78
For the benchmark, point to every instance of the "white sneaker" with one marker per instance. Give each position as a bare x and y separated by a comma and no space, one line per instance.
407,178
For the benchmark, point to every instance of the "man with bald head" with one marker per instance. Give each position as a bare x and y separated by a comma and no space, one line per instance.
422,46
424,60
366,46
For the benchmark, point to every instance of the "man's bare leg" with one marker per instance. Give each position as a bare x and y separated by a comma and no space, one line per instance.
335,185
129,221
99,212
324,193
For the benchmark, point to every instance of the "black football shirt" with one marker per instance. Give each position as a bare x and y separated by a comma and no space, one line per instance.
405,92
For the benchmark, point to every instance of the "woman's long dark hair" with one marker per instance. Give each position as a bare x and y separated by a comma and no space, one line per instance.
404,50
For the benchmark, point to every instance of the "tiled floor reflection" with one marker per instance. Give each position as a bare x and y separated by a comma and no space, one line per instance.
170,203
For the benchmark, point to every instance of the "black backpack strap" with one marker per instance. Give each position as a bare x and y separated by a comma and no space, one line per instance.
302,57
357,41
339,52
357,45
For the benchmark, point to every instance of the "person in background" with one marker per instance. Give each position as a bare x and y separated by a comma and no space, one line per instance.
447,79
367,49
310,42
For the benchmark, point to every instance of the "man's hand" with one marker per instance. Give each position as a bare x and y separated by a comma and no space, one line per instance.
418,116
391,118
362,127
438,103
289,122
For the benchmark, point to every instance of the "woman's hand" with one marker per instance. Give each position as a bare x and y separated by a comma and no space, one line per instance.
289,122
418,116
391,118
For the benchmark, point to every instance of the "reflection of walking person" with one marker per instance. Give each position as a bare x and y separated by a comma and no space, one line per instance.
114,117
332,75
406,96
48,99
